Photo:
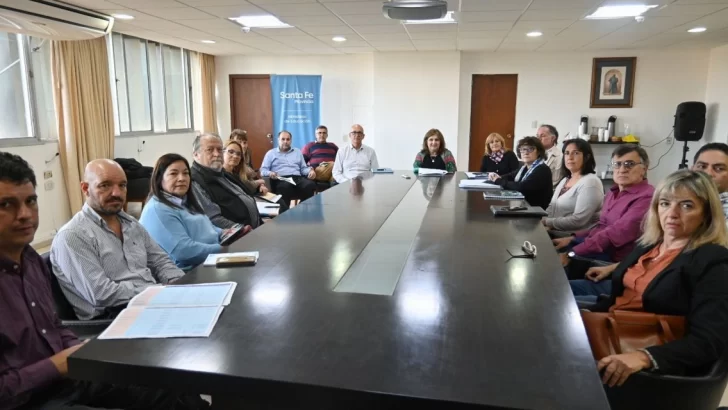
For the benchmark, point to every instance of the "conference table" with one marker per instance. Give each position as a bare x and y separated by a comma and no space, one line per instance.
376,293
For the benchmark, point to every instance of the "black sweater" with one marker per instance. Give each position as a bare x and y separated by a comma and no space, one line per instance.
694,285
508,164
537,188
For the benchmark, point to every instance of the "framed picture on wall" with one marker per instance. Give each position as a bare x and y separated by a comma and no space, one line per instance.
612,84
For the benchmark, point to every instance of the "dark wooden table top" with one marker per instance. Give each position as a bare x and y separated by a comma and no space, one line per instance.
465,325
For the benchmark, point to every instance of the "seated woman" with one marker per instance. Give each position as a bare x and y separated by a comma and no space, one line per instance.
533,180
496,158
173,217
620,221
578,197
234,164
246,160
678,268
434,155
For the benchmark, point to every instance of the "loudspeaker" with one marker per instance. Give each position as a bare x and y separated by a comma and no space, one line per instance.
689,121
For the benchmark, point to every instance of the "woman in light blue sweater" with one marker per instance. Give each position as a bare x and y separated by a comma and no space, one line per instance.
174,218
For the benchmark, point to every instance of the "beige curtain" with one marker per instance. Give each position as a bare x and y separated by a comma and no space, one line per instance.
84,111
209,113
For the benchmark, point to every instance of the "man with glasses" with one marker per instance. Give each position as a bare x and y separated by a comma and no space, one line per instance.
713,160
222,196
620,223
289,175
354,159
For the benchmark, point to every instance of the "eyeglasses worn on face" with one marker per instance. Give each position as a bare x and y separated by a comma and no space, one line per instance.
234,153
353,133
526,150
627,164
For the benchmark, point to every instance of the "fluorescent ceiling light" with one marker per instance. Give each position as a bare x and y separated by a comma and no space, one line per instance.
448,19
697,30
615,12
266,21
534,34
339,39
122,16
208,41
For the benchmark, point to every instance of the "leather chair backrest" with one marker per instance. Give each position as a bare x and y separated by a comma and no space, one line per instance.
64,310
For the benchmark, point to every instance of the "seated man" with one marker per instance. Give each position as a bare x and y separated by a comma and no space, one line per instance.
288,162
320,152
620,222
713,160
222,196
354,159
35,347
103,257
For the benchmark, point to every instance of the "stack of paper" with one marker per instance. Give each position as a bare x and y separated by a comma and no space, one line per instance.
268,209
477,184
213,257
429,172
507,195
476,175
383,171
172,311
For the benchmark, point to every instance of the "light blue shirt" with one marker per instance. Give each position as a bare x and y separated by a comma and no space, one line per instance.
286,163
187,237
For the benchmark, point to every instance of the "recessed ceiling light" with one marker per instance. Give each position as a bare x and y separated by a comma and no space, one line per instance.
615,12
122,16
448,19
266,21
208,41
339,39
534,34
697,30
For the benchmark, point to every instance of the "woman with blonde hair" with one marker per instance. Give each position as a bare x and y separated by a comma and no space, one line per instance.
496,158
678,268
434,155
234,163
246,162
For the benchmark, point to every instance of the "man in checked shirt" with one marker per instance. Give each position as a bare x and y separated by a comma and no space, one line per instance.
34,347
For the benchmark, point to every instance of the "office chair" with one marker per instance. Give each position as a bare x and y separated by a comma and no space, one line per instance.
82,328
645,390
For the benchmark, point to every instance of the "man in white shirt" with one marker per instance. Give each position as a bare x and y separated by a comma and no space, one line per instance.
549,137
712,159
354,159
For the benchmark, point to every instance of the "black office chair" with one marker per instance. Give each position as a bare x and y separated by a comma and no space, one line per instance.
645,390
82,328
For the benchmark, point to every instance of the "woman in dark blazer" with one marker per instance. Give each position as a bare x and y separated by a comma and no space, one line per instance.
496,158
678,268
533,180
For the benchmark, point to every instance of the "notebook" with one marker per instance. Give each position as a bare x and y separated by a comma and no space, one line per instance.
532,211
172,311
477,184
507,195
429,172
476,175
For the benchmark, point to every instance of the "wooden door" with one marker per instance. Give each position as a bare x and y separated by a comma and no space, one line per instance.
492,109
251,110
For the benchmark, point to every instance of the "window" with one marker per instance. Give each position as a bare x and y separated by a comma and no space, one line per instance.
13,95
155,98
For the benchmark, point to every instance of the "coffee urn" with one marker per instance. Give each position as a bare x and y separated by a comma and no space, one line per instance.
583,126
611,126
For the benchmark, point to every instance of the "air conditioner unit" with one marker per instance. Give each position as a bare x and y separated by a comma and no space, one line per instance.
52,19
414,9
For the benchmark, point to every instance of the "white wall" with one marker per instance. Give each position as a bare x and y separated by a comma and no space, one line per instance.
53,209
346,86
554,88
716,96
147,149
414,92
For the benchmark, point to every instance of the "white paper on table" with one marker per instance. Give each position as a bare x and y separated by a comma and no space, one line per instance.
140,322
476,175
192,295
477,184
212,258
425,172
268,209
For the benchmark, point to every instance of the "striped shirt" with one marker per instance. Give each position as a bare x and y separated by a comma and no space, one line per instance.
317,152
97,271
724,202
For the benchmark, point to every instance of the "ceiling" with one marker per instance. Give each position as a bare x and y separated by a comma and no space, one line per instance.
483,25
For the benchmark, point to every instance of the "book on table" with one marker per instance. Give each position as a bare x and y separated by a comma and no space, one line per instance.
172,311
476,175
477,184
504,194
430,172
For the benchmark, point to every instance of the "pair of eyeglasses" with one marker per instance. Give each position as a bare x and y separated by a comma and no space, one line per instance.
529,251
626,164
356,133
526,150
234,153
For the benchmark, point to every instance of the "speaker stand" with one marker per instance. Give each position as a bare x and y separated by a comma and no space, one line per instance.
684,163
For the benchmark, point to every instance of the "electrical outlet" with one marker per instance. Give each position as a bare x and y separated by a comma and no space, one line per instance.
668,140
47,174
49,185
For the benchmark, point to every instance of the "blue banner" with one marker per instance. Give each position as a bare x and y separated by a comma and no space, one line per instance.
296,107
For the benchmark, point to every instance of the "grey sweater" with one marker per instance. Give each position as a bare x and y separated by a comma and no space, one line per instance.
579,207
